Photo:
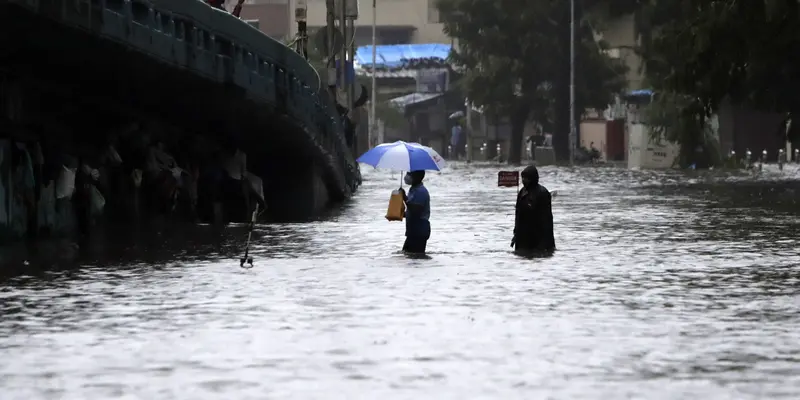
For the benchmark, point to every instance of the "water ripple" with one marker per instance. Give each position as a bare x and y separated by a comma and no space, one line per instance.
665,286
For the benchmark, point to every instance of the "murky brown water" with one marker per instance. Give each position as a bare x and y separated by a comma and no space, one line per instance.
665,286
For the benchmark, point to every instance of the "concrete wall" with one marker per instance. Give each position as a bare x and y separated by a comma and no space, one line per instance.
53,215
645,153
418,15
741,128
620,34
299,194
273,16
594,132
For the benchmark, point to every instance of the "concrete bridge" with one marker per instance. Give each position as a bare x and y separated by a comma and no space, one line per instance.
76,73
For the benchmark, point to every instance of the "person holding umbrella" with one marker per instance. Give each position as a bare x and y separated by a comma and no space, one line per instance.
456,135
415,158
418,213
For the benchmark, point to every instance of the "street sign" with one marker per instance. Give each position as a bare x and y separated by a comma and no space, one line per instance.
508,179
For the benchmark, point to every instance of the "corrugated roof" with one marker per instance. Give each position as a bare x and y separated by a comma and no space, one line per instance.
640,92
395,56
413,98
403,73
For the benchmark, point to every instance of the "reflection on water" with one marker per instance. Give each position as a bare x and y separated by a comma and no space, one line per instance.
665,286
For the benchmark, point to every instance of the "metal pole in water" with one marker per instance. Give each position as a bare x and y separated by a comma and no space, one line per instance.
343,50
330,6
351,56
247,259
373,95
572,132
468,127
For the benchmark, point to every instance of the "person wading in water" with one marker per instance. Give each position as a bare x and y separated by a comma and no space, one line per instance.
418,211
533,226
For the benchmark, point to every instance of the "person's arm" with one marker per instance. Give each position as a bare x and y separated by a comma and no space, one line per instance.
152,162
517,220
415,203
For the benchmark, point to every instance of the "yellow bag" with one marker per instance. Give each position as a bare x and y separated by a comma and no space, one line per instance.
397,208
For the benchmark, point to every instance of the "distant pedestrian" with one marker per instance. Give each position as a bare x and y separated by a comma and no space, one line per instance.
456,133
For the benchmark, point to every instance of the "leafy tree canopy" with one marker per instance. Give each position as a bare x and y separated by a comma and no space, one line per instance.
698,53
714,49
515,58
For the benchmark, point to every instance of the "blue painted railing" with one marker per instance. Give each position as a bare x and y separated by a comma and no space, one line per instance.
217,46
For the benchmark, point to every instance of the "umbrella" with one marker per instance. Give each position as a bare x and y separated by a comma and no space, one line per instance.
402,156
456,115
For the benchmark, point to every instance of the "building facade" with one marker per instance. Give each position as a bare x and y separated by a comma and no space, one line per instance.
273,17
397,22
621,36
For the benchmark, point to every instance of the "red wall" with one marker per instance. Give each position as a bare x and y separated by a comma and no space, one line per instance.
615,140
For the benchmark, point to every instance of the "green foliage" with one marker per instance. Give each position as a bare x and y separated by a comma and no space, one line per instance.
514,55
714,49
698,53
681,119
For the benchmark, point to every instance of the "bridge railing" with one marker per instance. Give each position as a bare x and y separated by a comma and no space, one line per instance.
220,47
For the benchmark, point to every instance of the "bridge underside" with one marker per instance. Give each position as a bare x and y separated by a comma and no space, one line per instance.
75,90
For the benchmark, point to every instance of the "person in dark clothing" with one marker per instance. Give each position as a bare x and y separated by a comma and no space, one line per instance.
220,4
533,226
418,212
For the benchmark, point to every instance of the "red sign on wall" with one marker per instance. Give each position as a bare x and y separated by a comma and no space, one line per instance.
508,178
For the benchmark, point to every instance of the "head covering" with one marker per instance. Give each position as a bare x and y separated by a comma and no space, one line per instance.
530,172
418,175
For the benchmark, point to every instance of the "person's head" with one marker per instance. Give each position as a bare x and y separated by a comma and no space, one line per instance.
227,143
530,176
414,177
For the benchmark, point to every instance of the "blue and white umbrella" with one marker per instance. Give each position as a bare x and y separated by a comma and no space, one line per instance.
402,156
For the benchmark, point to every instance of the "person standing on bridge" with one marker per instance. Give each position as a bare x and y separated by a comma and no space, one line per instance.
418,212
533,225
220,4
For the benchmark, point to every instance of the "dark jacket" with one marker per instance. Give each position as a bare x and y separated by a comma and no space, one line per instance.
533,226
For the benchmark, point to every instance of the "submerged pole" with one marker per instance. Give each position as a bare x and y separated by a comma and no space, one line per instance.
572,131
373,95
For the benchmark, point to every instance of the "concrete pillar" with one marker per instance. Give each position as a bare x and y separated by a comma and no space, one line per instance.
296,193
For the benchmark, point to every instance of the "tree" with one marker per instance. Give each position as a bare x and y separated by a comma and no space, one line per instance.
515,56
705,52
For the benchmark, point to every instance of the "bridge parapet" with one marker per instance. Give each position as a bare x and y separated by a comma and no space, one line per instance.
221,48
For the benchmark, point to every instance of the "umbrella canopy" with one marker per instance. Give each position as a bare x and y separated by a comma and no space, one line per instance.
402,156
456,115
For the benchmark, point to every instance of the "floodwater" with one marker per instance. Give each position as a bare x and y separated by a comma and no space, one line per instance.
666,285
